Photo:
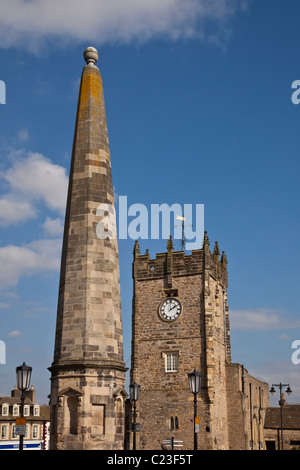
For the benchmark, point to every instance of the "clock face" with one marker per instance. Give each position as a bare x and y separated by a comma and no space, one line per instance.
170,309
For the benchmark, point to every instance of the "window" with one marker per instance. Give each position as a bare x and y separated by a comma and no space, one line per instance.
4,431
35,431
171,364
26,410
294,443
174,423
5,409
36,410
13,432
16,410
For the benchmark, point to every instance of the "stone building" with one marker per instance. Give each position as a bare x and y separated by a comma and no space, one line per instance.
88,372
180,322
37,421
247,404
290,438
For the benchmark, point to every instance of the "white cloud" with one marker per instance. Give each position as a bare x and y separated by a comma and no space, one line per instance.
261,319
280,371
4,305
11,295
53,227
14,211
285,337
15,334
26,22
40,256
39,179
23,135
32,179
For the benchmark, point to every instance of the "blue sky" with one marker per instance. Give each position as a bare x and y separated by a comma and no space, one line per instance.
199,111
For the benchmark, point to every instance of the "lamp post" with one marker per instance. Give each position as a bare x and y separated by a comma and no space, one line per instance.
134,396
281,403
195,386
23,373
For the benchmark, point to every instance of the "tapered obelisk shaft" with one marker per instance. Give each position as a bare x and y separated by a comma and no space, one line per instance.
88,372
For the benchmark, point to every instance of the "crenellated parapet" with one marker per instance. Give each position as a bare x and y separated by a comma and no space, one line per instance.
177,263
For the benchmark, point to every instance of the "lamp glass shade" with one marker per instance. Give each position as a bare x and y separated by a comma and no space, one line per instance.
134,391
195,382
272,390
288,390
23,376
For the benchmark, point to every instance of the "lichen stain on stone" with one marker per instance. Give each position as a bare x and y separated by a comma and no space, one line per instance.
90,96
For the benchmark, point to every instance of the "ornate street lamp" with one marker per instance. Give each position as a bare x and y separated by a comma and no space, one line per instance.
281,402
195,387
134,396
23,373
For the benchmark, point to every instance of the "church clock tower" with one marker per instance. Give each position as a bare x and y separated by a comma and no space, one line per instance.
180,323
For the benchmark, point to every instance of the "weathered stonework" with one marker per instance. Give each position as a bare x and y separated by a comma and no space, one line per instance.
289,414
88,373
247,402
200,339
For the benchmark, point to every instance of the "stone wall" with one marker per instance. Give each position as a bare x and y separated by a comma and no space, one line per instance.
199,336
247,401
290,425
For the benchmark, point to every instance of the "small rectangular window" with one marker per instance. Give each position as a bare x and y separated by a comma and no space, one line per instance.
171,362
4,431
35,431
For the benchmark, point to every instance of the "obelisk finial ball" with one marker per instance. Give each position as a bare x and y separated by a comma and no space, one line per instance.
91,55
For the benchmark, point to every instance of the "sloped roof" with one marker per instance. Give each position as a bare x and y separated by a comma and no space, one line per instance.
44,409
290,417
14,400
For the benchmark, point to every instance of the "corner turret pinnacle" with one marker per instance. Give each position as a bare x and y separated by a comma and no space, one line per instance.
206,242
224,258
136,250
170,246
216,250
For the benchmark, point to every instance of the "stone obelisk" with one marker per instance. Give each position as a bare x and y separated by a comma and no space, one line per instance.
88,372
